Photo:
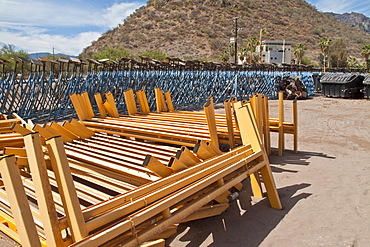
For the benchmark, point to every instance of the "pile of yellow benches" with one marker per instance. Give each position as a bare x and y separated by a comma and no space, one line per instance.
130,179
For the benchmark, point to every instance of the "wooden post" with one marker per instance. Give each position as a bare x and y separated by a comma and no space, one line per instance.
18,202
66,188
295,126
229,121
99,103
130,102
43,191
281,125
169,102
211,122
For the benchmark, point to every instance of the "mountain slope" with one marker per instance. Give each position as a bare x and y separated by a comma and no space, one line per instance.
194,29
353,19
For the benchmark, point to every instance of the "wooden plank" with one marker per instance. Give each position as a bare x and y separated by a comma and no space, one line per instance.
206,212
66,188
169,101
143,102
64,132
79,106
211,122
130,102
43,191
281,127
113,112
82,127
18,202
99,103
157,167
88,107
230,125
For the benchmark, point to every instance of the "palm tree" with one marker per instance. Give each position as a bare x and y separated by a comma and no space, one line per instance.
352,62
299,52
365,52
251,45
262,32
324,47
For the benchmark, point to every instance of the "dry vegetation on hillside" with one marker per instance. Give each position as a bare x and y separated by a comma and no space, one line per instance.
195,29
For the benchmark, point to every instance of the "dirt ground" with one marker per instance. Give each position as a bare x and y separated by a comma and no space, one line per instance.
324,189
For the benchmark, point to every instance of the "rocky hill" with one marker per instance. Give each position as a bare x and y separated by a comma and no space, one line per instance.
353,19
194,29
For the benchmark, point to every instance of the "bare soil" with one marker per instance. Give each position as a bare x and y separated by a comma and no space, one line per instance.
324,189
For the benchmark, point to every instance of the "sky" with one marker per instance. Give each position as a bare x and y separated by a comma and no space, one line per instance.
68,26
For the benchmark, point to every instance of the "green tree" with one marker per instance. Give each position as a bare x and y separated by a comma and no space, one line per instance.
251,45
338,54
158,55
112,53
324,47
9,53
225,56
262,32
365,52
352,62
299,51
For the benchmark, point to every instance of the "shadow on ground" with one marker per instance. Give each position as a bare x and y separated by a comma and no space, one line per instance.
289,157
242,224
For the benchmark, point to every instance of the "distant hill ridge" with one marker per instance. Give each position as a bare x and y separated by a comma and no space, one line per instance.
353,19
195,29
36,55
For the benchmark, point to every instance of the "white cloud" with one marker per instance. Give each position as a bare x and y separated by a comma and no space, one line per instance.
27,24
115,14
40,42
344,6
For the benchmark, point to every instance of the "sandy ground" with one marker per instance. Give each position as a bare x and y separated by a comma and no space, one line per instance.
324,189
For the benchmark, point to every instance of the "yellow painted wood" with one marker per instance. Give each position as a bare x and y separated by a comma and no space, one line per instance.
223,198
187,157
256,185
206,212
15,151
266,135
88,107
211,122
18,201
157,167
238,186
82,127
66,188
177,165
20,129
56,132
43,191
76,131
165,223
79,106
161,187
281,126
154,243
205,150
64,132
143,101
112,104
295,126
169,101
166,233
46,134
130,102
270,186
248,128
99,103
230,124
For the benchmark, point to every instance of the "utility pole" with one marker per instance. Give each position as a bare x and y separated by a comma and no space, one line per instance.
236,42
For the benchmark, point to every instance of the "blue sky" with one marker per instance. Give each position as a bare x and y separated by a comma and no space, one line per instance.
71,25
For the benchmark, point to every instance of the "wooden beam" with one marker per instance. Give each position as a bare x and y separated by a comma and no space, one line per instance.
43,191
100,104
66,188
130,102
18,202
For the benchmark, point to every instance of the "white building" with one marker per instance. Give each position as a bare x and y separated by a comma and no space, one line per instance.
276,51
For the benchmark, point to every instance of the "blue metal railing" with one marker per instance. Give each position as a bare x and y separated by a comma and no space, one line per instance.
43,99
